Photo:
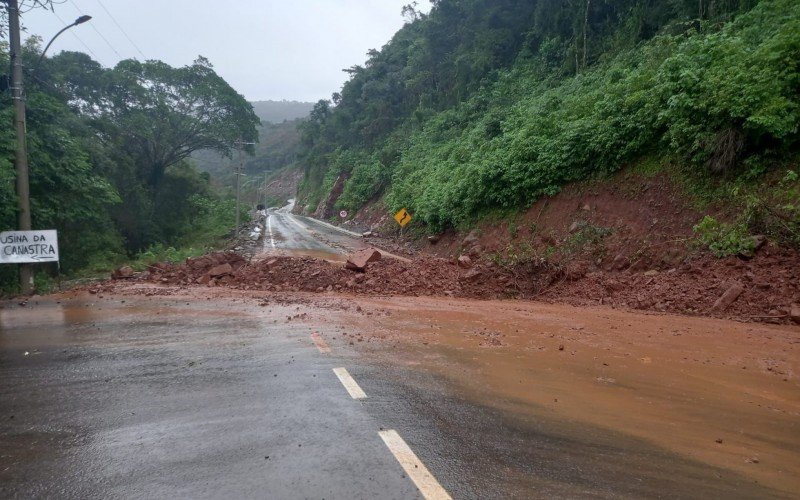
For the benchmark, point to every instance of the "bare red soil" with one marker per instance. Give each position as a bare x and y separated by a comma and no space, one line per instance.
769,283
627,243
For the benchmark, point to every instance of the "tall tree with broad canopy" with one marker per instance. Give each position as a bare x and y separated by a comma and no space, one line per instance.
158,115
149,117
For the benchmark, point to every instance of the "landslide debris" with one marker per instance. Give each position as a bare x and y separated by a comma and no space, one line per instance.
764,288
366,273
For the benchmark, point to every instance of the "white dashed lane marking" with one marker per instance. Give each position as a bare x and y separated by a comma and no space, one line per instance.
416,470
349,384
428,486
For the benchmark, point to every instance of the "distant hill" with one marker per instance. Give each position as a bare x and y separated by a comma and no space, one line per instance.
279,141
278,111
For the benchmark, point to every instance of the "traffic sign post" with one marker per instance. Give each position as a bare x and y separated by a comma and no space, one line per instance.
403,217
28,247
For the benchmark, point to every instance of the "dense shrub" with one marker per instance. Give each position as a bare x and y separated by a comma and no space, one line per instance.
714,97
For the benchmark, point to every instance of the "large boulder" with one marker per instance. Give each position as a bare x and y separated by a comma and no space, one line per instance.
471,238
359,260
123,272
472,275
794,313
199,262
220,270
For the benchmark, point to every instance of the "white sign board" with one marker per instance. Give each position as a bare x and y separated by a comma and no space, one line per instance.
20,247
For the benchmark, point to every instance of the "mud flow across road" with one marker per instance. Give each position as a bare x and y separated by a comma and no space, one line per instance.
148,390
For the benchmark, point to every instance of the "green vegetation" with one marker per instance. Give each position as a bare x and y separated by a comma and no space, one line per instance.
108,153
724,239
489,105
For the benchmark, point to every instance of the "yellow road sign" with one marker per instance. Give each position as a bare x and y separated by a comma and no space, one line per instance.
402,217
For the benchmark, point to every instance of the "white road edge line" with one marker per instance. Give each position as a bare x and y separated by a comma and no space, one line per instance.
269,226
416,470
349,383
322,346
345,231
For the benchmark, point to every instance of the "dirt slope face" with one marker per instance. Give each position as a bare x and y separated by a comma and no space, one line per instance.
629,243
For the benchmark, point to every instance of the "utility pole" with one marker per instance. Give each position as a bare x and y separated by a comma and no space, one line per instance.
238,187
21,151
240,144
265,189
21,154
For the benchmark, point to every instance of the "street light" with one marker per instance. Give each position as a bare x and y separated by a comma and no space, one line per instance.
78,21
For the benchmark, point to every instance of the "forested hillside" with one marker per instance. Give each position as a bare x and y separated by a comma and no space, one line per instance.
108,153
483,105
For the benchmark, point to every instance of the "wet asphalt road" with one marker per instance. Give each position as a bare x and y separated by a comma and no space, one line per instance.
292,234
123,400
199,394
178,396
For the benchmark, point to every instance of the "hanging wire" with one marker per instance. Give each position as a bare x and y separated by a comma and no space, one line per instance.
122,30
25,6
98,32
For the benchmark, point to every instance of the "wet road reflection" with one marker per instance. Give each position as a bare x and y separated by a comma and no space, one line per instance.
294,235
154,397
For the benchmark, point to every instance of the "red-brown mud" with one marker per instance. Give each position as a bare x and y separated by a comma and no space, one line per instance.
770,282
627,242
715,391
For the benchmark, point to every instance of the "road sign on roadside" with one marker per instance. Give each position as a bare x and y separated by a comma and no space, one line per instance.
343,214
402,217
23,247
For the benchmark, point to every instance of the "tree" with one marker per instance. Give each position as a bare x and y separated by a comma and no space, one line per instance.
158,115
67,191
148,117
24,6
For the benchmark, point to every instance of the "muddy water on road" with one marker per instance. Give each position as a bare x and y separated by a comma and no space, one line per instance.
717,393
567,390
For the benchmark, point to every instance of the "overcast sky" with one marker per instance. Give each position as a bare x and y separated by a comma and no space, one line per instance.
265,49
